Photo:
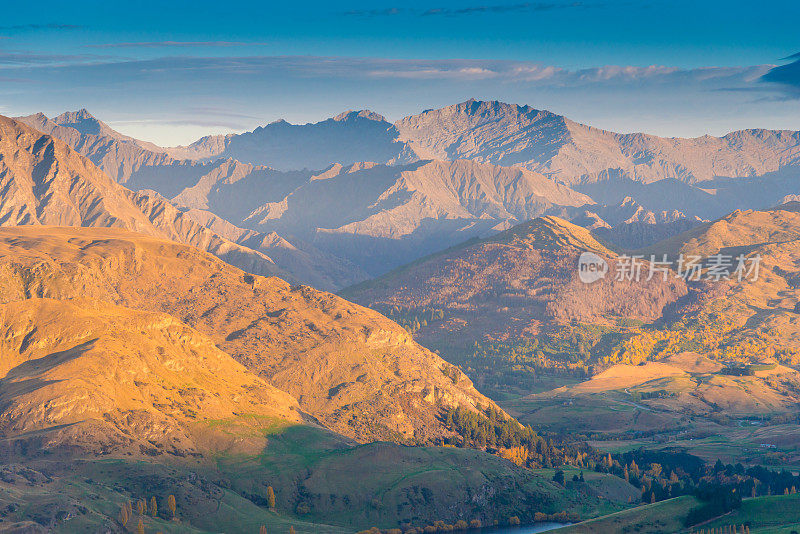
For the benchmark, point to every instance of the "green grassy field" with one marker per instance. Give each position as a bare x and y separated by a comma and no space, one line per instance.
611,416
778,514
659,518
590,413
613,489
323,484
88,497
321,478
731,444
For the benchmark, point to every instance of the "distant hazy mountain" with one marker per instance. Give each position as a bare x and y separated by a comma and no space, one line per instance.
523,163
306,263
347,138
118,155
704,177
507,134
629,225
380,216
146,169
488,132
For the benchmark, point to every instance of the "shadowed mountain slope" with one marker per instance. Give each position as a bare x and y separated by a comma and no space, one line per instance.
143,167
347,138
379,216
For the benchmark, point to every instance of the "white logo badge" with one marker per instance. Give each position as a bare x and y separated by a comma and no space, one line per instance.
591,267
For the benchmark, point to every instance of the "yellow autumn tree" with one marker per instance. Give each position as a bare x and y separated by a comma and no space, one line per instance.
171,505
123,515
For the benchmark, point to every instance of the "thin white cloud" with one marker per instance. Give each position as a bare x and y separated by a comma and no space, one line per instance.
30,59
444,73
265,68
185,94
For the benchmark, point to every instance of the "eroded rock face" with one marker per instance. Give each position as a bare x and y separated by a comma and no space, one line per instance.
357,196
380,216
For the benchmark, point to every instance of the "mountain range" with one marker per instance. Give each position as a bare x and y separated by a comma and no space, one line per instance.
435,179
573,153
166,328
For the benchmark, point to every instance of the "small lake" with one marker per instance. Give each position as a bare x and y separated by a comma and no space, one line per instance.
530,529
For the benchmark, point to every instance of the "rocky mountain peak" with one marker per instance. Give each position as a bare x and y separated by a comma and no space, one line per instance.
81,120
352,115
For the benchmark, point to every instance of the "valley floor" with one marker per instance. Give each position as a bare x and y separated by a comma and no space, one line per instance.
778,514
323,484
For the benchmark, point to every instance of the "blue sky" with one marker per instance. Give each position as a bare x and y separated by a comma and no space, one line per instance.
171,73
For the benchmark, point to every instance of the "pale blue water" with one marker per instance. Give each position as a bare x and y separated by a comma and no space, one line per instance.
531,529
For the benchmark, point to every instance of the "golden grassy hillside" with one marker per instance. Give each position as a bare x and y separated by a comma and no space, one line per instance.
668,388
743,321
104,378
354,370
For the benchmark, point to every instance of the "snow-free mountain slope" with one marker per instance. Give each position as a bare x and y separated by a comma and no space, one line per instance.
44,181
514,284
630,226
88,375
305,263
507,134
379,216
351,368
144,168
740,230
118,155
